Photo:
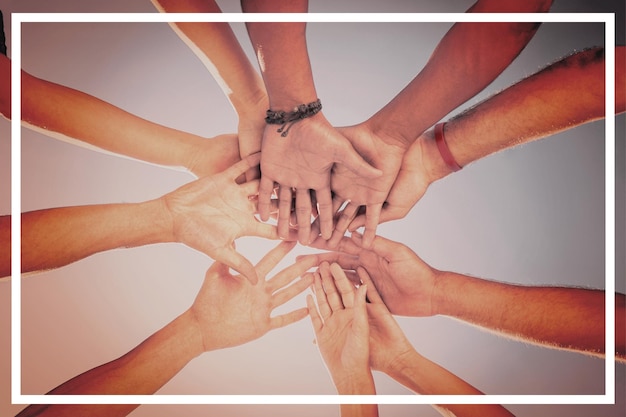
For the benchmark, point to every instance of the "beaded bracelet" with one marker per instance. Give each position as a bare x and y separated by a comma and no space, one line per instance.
283,118
444,150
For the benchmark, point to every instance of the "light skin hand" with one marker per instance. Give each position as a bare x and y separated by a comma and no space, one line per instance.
230,311
404,281
303,160
341,331
214,155
210,213
383,154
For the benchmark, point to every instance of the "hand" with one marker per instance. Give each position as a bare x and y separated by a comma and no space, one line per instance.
230,311
341,329
210,213
388,344
383,154
303,160
411,183
404,281
213,155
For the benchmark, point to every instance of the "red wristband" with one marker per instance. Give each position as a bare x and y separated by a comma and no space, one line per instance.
444,150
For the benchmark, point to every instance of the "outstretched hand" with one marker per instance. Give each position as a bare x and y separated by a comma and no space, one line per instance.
302,160
230,311
210,213
341,328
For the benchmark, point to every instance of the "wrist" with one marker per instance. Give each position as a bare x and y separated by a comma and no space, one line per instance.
434,165
161,220
359,382
189,335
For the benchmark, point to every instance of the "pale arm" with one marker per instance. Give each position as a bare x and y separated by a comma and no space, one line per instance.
82,119
208,215
228,311
215,44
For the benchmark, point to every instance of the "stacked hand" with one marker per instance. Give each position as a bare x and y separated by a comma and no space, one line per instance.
229,310
303,161
383,154
404,281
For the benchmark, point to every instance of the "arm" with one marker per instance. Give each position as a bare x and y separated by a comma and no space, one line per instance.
541,105
467,59
217,47
342,335
225,305
304,156
76,117
208,215
392,353
559,317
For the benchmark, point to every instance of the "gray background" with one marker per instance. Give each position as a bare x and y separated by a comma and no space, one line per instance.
532,215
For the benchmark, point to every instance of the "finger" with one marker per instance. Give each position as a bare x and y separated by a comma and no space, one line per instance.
350,158
360,320
303,215
250,188
290,274
284,211
315,231
264,230
281,297
372,293
346,261
343,285
372,214
346,244
266,189
236,261
316,320
242,166
380,246
273,257
325,210
218,269
345,217
353,277
332,295
289,318
322,300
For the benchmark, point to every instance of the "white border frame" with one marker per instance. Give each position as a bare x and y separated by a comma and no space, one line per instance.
18,398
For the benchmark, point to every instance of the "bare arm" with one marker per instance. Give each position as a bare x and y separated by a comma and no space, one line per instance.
207,214
562,317
565,94
228,311
300,157
467,59
79,118
217,47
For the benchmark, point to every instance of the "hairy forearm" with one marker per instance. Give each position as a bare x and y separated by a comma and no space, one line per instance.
467,59
217,47
565,94
282,54
74,116
561,317
52,238
141,371
425,377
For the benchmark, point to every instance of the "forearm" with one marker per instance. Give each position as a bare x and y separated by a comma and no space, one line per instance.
72,115
282,54
467,59
141,371
217,47
52,238
357,383
425,377
566,318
